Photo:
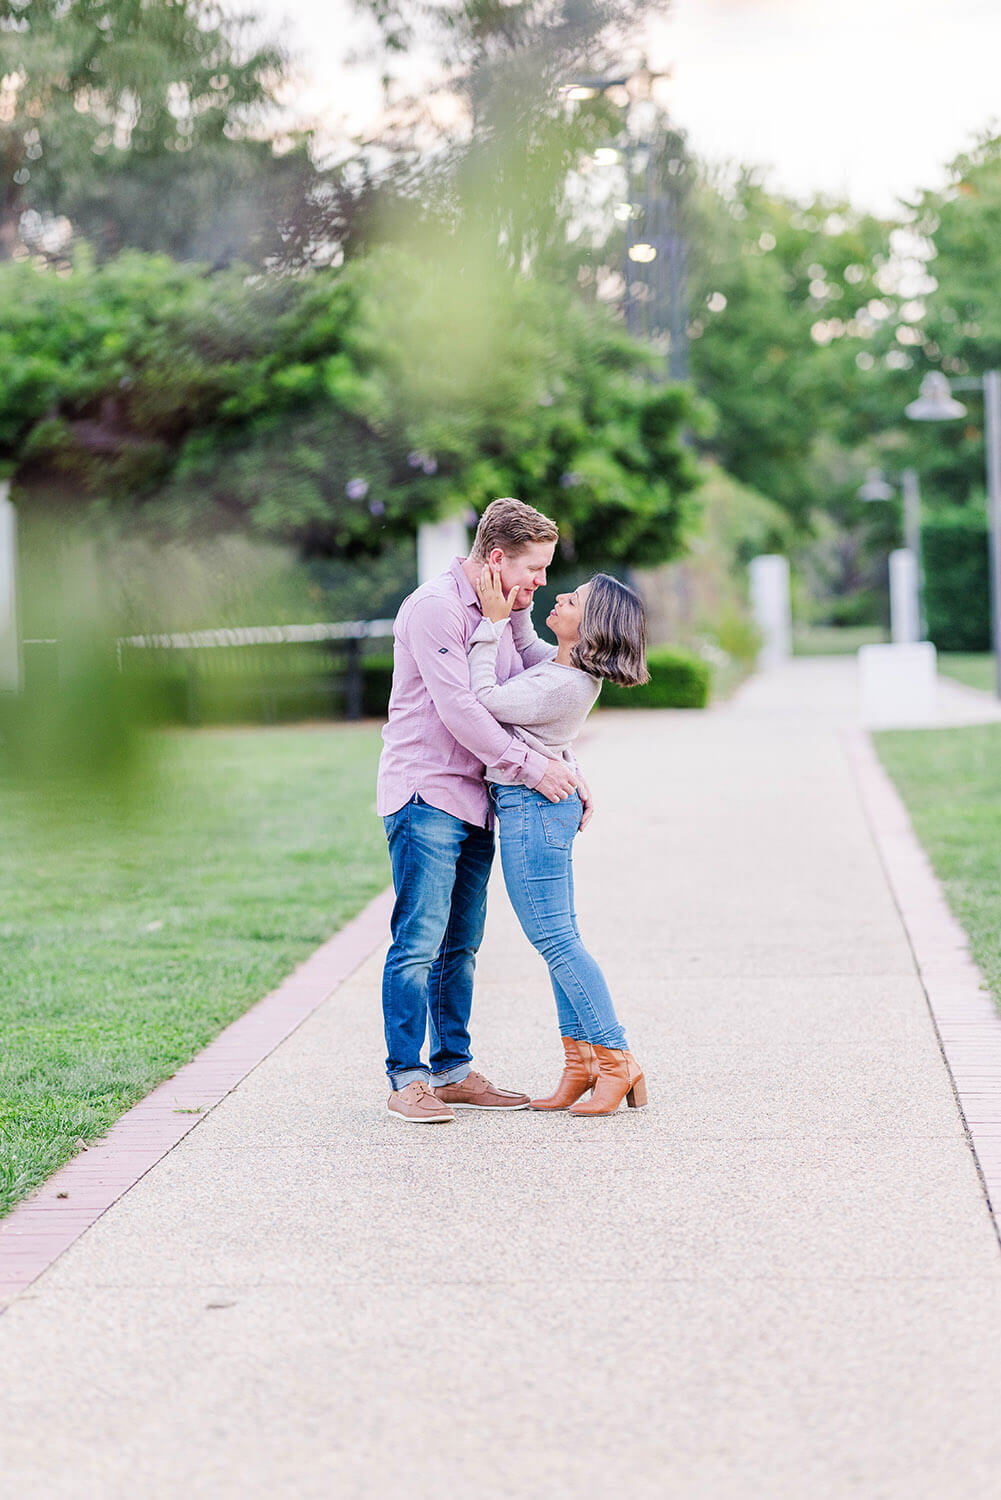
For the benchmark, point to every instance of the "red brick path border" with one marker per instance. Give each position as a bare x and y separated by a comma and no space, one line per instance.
38,1230
963,1010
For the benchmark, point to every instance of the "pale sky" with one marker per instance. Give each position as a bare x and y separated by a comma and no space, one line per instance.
865,98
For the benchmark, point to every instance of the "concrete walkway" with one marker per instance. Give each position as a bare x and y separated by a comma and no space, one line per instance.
781,1280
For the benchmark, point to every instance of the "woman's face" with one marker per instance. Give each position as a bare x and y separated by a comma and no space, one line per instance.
565,616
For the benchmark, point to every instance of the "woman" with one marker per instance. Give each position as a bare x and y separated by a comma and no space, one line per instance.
599,630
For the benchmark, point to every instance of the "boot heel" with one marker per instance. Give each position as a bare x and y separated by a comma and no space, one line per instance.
636,1097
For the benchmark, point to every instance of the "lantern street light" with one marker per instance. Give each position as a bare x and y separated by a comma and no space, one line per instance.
936,404
875,487
655,301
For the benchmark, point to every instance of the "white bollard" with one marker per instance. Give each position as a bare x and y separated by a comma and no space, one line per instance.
10,652
905,599
437,543
770,607
898,686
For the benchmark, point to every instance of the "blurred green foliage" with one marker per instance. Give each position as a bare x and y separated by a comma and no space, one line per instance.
957,586
144,124
960,327
700,600
677,680
335,410
788,338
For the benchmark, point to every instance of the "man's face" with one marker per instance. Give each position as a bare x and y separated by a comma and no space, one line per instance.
525,570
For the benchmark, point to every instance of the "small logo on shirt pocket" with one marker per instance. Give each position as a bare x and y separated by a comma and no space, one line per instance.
442,650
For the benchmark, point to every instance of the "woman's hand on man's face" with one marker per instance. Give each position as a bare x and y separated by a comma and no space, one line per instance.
495,604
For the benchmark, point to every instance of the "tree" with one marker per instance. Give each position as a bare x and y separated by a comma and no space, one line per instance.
958,315
786,311
106,102
485,146
335,410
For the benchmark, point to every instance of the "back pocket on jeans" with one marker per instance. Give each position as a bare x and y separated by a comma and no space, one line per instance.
560,822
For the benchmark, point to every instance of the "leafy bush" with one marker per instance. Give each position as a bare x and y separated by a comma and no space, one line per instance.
677,680
336,410
737,635
957,588
863,607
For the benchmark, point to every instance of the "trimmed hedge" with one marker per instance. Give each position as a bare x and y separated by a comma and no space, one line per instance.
957,587
677,680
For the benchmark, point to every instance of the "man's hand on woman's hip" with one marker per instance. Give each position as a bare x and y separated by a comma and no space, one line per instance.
558,782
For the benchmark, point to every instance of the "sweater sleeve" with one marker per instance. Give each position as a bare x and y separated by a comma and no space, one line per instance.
436,641
529,647
528,699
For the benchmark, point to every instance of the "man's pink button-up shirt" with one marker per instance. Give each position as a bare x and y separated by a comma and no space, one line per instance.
439,737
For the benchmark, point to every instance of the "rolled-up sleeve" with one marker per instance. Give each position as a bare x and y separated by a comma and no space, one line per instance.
439,650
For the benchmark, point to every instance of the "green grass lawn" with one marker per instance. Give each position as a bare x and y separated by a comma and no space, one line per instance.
975,669
835,640
130,940
950,780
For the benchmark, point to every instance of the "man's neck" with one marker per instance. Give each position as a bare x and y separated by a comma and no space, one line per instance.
472,569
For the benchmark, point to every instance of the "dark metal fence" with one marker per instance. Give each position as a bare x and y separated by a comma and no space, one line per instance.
267,672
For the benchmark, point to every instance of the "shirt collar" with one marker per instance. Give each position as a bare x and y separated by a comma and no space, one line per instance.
467,594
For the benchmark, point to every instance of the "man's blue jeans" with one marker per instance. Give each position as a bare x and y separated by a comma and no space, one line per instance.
536,840
441,866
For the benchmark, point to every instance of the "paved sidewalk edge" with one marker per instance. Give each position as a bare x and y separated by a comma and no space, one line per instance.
39,1229
963,1011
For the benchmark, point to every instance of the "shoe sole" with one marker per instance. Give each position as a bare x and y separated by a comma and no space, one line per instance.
508,1108
602,1114
421,1119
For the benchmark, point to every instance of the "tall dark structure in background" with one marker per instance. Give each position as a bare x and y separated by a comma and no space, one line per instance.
655,260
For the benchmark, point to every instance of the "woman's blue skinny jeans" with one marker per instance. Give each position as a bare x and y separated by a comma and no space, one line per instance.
536,844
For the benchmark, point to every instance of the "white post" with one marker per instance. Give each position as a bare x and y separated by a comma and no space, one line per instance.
10,651
770,607
992,405
905,600
898,685
437,543
912,539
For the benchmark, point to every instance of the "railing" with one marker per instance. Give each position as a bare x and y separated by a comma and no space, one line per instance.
261,635
261,664
266,663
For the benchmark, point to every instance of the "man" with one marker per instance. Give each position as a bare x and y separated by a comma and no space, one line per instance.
434,804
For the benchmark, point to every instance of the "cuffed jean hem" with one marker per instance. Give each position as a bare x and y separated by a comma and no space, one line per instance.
454,1075
400,1080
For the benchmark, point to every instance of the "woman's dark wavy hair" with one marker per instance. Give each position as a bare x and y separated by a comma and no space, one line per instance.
612,640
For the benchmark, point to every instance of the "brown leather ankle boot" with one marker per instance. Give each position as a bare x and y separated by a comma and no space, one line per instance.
619,1077
580,1073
